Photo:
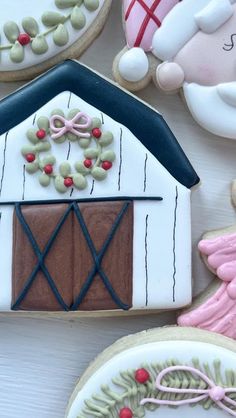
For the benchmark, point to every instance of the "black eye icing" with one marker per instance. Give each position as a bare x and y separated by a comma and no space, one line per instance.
228,47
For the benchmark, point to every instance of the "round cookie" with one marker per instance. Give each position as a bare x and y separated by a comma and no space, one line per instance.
197,44
167,372
135,65
35,35
215,309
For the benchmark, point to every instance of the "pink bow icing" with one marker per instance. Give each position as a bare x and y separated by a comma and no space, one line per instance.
71,125
216,393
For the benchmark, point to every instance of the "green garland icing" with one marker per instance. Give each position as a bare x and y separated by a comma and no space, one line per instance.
55,24
93,149
129,393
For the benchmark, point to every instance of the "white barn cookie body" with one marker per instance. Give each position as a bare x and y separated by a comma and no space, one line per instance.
94,196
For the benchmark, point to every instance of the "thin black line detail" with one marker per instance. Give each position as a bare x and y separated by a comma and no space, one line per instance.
174,242
120,164
23,188
92,188
34,119
69,100
86,199
146,258
229,47
4,162
145,174
68,153
72,191
102,117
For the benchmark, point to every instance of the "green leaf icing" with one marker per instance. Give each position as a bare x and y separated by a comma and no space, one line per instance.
95,154
127,392
30,26
54,25
64,4
91,5
39,45
44,180
17,52
99,173
52,18
78,19
11,31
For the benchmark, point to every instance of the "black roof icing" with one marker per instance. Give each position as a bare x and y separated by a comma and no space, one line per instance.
146,124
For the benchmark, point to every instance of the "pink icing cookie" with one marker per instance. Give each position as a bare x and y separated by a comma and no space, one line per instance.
142,18
204,50
218,312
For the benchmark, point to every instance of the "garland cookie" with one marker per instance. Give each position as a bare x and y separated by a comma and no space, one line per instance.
215,309
141,18
93,207
197,44
169,372
42,33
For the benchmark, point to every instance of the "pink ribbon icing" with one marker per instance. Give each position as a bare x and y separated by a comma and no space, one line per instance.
216,393
72,125
218,313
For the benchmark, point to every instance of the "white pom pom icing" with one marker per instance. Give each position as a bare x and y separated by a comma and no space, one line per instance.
133,65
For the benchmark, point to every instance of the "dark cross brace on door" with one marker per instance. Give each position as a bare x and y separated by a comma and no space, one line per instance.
149,16
97,258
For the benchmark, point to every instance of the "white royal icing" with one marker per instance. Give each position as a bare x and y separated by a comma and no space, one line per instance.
158,352
167,281
134,65
16,10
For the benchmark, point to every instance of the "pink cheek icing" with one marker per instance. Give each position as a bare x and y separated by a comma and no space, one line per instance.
142,19
218,314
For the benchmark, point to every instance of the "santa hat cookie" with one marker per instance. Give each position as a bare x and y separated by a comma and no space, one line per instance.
197,44
35,35
142,18
169,372
215,309
87,229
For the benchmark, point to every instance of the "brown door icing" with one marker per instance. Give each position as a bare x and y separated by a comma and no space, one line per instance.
82,273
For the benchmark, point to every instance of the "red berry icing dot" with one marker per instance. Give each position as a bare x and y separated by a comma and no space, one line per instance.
97,133
41,134
48,169
106,165
125,413
30,158
68,182
87,163
142,376
24,39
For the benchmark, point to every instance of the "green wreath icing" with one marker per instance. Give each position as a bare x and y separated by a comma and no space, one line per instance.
109,402
94,152
55,24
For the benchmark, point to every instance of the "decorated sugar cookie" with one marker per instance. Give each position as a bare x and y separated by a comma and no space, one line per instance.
94,206
197,44
133,66
35,35
169,372
215,309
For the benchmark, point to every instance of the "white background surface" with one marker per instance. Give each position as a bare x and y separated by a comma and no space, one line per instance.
40,360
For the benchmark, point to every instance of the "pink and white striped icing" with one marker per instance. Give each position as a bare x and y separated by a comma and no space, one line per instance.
218,314
137,18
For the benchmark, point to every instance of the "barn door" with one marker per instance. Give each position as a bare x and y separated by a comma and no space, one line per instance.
73,256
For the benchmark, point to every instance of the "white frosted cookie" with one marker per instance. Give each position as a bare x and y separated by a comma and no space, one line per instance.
35,35
215,309
96,203
169,372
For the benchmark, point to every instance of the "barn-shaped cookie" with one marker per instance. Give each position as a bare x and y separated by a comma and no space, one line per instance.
94,199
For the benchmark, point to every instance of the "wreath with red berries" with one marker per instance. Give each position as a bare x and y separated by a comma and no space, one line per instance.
97,159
